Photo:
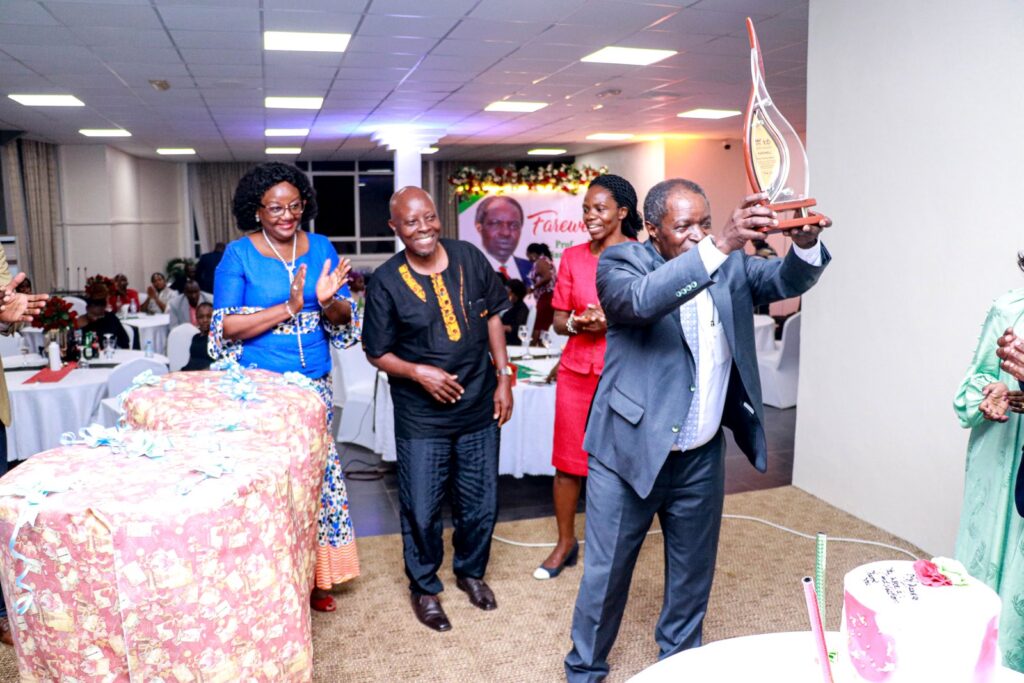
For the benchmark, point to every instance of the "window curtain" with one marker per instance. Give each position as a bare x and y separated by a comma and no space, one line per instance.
212,189
30,170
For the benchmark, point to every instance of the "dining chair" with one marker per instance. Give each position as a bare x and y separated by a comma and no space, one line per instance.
122,375
358,380
179,340
780,367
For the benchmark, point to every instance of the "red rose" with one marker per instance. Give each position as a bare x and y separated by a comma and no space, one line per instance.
929,575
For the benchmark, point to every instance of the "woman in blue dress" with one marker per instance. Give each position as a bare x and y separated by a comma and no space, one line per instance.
281,300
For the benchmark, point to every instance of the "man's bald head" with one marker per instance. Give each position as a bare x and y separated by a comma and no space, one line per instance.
407,194
415,221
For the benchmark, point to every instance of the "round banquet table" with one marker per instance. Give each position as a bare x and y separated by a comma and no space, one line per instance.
41,412
764,332
766,658
34,360
151,327
525,441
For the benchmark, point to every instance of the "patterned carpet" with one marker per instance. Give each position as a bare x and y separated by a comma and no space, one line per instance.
374,636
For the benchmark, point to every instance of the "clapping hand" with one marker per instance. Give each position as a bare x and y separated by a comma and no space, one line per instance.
330,281
19,308
1011,351
295,298
591,320
996,402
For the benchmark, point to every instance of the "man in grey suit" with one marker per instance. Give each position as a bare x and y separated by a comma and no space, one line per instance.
680,363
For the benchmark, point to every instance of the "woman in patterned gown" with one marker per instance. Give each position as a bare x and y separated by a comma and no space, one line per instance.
280,302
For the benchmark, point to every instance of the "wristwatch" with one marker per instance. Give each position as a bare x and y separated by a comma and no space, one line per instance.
505,371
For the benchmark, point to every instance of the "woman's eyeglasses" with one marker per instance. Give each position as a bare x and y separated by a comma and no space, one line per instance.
276,211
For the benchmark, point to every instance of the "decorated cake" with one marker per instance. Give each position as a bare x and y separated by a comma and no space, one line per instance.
918,621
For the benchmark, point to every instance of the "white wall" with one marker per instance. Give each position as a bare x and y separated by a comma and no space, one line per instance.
642,164
121,214
717,170
914,142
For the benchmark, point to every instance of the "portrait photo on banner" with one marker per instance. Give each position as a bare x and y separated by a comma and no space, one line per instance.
504,225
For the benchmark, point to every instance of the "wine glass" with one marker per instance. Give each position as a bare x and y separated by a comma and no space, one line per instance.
524,334
546,340
108,345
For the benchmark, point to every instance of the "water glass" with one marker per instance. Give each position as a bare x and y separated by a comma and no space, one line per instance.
524,335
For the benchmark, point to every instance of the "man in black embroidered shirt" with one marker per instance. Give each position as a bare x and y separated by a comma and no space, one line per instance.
432,314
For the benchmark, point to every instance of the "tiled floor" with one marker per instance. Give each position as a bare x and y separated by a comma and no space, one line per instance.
374,504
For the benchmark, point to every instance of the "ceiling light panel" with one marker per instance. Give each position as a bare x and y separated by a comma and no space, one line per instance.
634,56
294,102
48,100
508,105
305,42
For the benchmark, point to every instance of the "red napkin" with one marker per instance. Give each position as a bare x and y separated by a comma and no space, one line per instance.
48,375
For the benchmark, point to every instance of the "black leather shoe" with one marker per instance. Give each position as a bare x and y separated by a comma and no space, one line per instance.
428,610
480,594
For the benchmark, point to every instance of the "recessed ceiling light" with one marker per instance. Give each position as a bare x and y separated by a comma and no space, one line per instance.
507,105
286,132
708,114
293,102
610,136
283,150
105,132
636,56
429,150
546,152
175,151
305,42
48,100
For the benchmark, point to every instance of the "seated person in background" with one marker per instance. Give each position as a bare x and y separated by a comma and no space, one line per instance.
518,314
24,287
158,295
100,321
183,276
183,306
122,295
198,356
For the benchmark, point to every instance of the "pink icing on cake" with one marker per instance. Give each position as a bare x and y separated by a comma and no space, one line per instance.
987,660
873,653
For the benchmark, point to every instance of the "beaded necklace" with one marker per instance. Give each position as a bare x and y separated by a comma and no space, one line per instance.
290,267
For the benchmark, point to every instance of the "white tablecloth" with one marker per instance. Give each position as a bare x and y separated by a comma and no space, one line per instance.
151,327
767,658
34,360
525,441
764,332
33,337
41,412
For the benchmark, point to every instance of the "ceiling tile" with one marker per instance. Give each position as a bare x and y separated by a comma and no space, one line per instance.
471,49
15,12
417,27
210,18
103,14
390,44
144,38
22,34
222,40
208,56
526,10
481,29
292,20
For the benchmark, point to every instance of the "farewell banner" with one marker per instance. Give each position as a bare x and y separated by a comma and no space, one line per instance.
554,218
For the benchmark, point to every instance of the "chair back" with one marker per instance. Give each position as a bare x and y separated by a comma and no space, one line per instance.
130,331
10,344
789,348
122,375
355,372
179,340
77,305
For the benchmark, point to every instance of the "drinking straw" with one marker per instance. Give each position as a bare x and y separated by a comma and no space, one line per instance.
819,573
814,616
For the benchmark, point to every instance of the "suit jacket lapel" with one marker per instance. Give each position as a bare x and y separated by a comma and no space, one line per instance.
658,260
722,297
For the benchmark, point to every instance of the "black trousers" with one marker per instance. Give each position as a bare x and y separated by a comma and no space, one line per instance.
427,468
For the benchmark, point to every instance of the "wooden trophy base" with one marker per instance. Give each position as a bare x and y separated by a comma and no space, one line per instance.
803,216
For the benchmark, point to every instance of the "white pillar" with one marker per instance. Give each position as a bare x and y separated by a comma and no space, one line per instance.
408,171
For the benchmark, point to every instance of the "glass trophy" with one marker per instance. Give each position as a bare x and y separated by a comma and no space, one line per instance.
775,158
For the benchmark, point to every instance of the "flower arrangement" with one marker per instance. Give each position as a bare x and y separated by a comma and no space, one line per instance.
56,315
551,178
99,287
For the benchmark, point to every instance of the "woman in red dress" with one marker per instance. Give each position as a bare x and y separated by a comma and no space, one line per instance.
610,215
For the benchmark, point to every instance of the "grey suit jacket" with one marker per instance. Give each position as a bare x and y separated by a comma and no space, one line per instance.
647,384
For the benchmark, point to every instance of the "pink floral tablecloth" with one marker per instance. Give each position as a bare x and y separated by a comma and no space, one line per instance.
194,565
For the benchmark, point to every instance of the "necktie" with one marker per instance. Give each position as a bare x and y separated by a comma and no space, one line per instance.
504,271
688,434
